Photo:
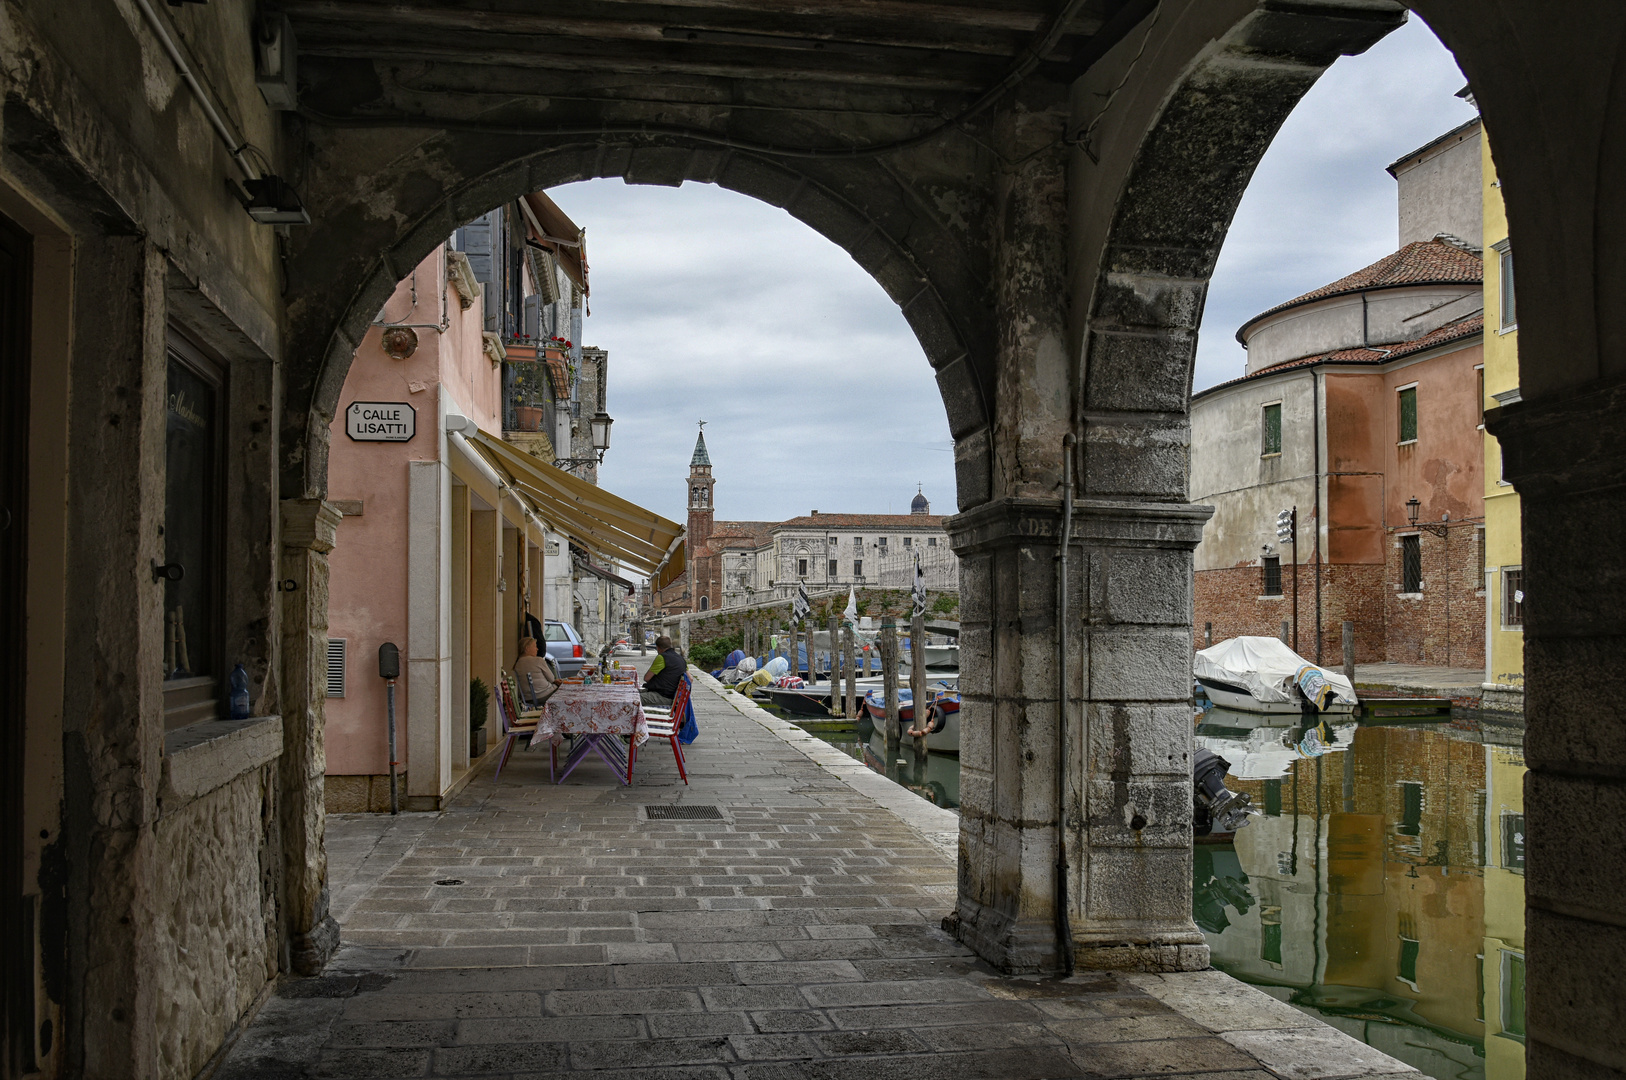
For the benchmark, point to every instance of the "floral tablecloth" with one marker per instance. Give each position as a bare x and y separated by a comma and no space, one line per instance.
595,709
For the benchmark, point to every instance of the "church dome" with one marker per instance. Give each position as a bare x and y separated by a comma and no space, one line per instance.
920,505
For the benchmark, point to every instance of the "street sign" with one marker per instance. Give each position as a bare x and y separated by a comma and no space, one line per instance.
381,421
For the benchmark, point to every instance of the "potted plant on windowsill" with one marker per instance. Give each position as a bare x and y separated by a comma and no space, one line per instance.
479,706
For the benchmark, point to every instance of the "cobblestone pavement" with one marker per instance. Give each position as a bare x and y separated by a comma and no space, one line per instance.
536,930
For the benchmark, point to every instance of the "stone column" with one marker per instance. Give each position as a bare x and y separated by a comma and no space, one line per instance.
1564,454
113,704
309,529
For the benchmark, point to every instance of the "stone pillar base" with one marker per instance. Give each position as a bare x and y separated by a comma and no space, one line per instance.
1015,946
1152,956
309,952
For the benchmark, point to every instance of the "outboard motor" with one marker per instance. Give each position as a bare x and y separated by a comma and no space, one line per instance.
1216,808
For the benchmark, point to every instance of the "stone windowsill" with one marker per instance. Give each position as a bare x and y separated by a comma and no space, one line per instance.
201,757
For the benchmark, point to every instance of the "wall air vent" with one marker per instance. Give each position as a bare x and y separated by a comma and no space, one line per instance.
335,667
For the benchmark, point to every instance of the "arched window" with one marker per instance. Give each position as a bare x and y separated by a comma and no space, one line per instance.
705,602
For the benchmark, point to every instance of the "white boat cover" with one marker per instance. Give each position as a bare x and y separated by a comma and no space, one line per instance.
1266,667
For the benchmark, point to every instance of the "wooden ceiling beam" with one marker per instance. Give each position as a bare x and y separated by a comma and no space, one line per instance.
1024,18
684,58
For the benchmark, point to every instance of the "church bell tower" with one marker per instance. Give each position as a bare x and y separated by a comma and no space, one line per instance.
701,514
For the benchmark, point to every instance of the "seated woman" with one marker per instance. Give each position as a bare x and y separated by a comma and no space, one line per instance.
536,681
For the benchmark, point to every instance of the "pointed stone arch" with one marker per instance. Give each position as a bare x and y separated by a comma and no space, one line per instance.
932,264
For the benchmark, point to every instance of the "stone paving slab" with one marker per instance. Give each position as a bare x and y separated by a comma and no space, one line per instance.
537,930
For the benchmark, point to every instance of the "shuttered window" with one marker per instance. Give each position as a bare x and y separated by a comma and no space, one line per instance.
1272,441
335,667
1408,414
1273,576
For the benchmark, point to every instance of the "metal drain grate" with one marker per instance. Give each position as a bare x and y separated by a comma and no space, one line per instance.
450,881
683,813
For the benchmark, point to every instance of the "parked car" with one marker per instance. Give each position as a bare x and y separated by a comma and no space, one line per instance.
565,647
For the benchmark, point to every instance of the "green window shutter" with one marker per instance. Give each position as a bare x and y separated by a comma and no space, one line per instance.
1408,414
1273,429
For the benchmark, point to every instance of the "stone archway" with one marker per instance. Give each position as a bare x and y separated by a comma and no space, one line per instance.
930,264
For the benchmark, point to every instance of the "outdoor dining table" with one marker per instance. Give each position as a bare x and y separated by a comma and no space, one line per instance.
598,714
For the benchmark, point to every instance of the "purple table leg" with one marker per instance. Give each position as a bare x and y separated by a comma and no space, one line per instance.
610,754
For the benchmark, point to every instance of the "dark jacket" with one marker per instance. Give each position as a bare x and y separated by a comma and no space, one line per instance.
665,682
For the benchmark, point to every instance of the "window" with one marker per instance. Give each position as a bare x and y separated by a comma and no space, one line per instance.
882,541
801,567
1272,430
556,632
1411,809
705,603
1510,315
831,570
931,541
1270,935
1480,371
1273,575
1408,961
192,535
1513,994
1408,414
1513,842
906,542
1411,564
1480,556
1513,596
858,542
858,568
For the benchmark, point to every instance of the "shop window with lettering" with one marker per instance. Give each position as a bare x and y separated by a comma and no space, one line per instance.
192,534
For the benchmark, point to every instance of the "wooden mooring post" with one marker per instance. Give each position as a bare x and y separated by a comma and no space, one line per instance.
917,683
849,665
891,729
834,659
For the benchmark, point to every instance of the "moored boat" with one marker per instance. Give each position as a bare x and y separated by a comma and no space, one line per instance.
946,722
1261,675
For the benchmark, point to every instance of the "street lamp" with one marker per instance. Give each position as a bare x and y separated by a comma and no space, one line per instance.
1412,508
599,430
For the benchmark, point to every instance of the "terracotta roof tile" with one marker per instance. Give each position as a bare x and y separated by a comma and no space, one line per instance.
866,521
1423,262
1453,331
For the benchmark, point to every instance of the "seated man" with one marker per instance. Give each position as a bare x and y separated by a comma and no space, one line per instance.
662,678
536,681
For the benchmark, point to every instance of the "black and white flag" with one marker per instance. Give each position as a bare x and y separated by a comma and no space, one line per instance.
920,589
799,607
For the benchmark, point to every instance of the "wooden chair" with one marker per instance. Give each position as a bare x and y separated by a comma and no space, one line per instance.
514,725
665,724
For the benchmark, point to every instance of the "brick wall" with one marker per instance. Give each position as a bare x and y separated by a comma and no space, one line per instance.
1444,624
1231,599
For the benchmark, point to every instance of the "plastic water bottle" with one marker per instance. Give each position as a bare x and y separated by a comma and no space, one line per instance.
239,693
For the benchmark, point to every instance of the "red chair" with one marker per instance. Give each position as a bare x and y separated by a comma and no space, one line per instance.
664,724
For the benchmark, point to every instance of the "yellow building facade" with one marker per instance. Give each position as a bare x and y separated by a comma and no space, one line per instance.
1504,560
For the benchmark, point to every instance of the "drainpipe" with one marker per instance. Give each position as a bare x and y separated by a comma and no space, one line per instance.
1064,926
1315,416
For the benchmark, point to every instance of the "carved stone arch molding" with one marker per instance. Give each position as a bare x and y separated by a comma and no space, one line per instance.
373,228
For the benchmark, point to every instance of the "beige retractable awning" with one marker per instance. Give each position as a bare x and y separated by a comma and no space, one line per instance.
590,515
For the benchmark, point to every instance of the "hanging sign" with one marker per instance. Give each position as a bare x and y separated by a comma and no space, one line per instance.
381,421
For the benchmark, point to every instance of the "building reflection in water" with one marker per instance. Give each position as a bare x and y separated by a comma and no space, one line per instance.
1381,889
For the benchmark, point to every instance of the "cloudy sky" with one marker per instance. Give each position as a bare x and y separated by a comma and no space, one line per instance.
816,395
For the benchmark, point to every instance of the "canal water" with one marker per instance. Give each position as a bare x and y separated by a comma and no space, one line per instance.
1381,889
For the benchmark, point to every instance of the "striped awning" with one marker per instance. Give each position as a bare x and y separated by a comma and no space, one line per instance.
593,517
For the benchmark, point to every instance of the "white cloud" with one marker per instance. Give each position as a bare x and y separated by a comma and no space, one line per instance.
716,306
1320,205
